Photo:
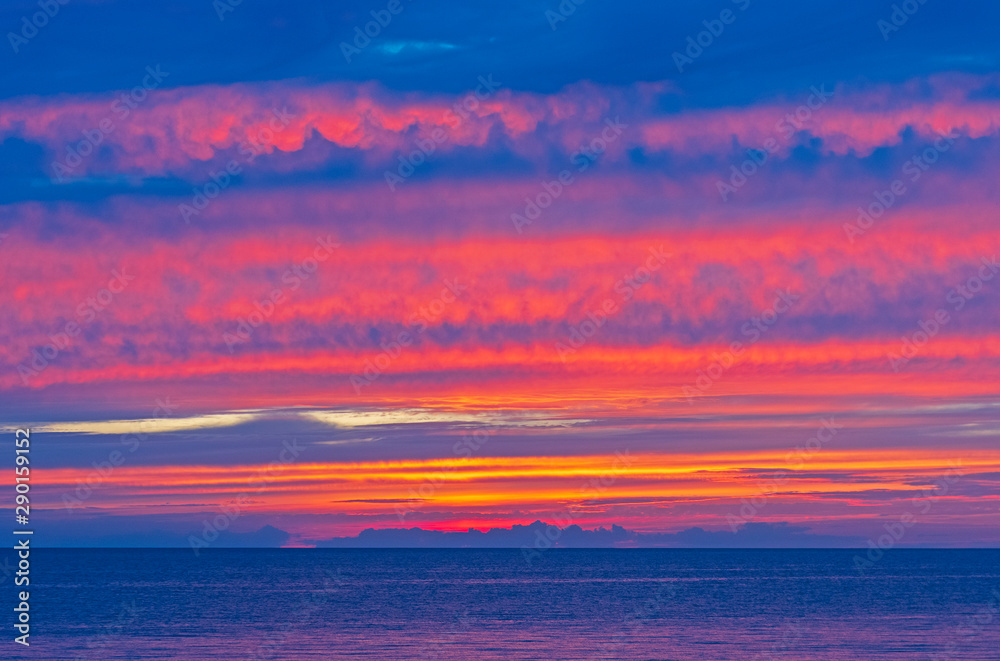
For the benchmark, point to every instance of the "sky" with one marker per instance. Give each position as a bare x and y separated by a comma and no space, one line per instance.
718,273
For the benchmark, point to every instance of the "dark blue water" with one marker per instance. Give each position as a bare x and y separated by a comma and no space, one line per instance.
491,604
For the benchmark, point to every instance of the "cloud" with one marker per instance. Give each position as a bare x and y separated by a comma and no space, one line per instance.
759,535
224,305
146,426
231,315
541,536
293,127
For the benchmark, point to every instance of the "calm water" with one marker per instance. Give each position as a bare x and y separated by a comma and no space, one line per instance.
490,604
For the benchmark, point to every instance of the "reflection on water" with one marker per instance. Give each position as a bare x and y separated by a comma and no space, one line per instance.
491,604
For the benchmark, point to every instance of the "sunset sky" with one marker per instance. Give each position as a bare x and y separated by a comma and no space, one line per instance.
502,264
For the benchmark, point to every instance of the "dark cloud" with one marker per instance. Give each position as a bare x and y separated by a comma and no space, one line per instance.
540,536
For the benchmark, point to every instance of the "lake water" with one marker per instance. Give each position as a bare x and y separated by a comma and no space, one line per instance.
492,604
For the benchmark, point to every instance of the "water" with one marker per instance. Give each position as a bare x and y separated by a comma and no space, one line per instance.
491,604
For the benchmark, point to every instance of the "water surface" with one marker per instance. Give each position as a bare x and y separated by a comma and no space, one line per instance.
491,604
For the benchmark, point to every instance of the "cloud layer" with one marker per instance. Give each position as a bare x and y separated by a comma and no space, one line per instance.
209,256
